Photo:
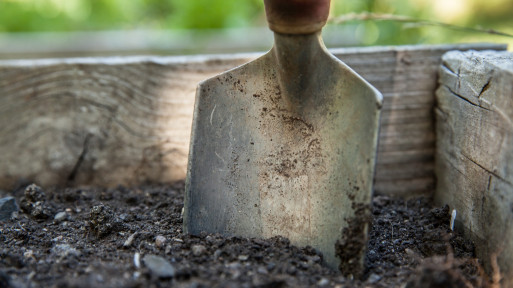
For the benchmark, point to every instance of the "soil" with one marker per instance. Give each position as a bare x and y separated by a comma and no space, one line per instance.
132,237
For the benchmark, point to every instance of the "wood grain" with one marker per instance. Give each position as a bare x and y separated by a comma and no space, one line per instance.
474,158
99,121
407,77
126,120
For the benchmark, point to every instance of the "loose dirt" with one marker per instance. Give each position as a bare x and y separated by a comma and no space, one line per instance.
132,237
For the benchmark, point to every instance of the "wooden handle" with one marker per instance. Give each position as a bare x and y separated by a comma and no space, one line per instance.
297,16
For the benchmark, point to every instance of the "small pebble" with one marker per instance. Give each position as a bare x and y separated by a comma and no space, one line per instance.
159,266
198,250
58,238
315,259
65,250
61,216
29,254
234,265
160,241
291,270
323,282
137,260
210,239
271,266
262,270
243,257
373,278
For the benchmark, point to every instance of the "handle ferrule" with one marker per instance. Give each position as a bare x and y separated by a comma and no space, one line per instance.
297,16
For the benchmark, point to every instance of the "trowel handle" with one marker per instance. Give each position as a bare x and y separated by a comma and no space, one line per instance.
297,16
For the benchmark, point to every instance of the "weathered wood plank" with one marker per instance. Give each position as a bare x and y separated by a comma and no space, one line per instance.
406,188
407,77
99,121
474,158
110,121
407,156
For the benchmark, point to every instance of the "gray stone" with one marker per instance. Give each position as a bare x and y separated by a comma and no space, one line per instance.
8,206
65,250
374,278
217,253
160,241
210,239
137,260
323,282
262,270
61,216
159,266
198,250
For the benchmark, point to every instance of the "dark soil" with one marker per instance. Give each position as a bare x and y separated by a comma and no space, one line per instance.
91,237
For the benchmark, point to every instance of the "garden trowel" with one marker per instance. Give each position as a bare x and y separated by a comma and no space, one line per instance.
286,144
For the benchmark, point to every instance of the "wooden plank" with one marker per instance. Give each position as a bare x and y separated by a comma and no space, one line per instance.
404,171
408,81
406,188
126,120
475,151
99,121
406,156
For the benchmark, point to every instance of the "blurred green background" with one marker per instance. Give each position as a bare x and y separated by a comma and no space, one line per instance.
19,17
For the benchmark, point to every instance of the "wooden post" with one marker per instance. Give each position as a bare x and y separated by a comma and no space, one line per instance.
474,159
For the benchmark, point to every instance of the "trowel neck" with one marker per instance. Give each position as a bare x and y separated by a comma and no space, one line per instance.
297,64
296,50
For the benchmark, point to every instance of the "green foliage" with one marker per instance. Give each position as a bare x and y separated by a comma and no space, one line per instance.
200,14
492,14
86,15
382,33
69,15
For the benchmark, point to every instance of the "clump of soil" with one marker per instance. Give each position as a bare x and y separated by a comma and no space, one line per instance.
33,203
132,237
102,221
351,246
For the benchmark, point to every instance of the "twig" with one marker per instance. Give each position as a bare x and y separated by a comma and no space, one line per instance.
410,20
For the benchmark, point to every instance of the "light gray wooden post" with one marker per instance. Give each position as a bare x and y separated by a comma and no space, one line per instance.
474,158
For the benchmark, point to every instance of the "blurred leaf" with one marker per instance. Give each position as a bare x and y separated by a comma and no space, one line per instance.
72,15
